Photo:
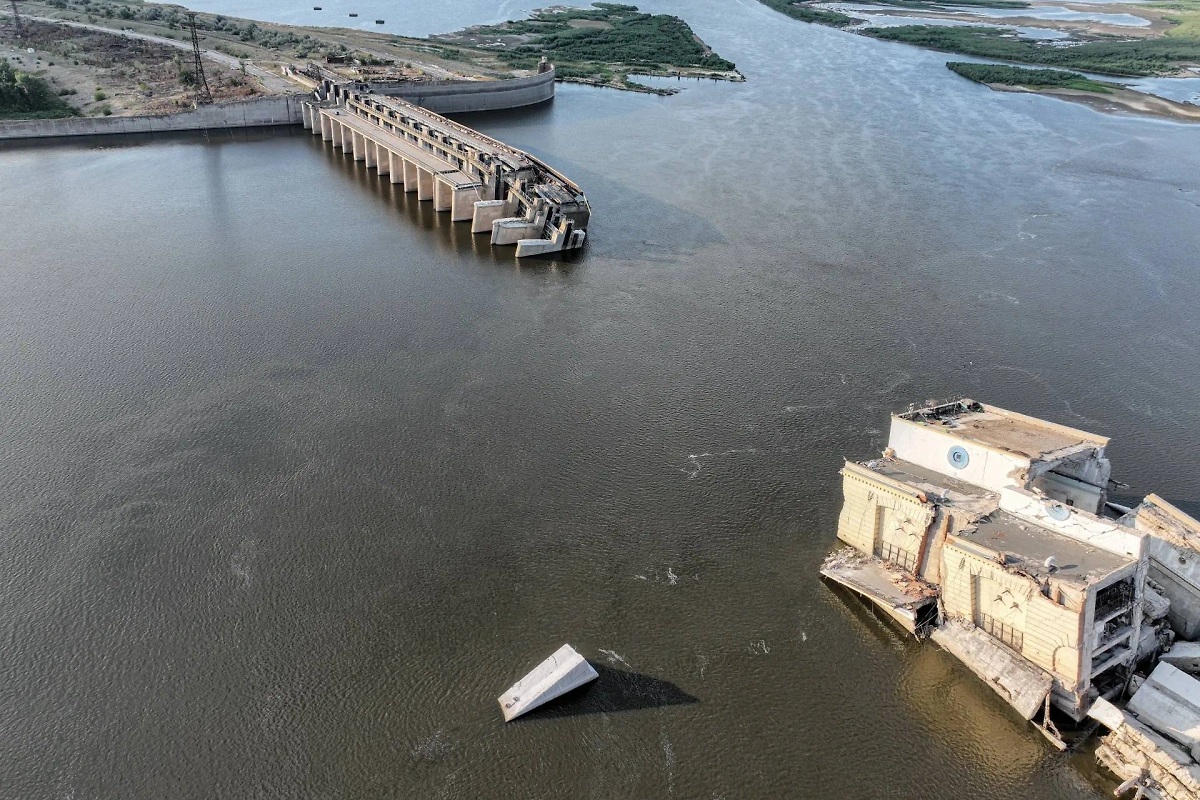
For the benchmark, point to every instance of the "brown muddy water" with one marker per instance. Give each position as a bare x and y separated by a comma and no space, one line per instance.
297,477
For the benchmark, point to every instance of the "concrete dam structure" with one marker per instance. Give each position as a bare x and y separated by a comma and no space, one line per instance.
502,190
460,97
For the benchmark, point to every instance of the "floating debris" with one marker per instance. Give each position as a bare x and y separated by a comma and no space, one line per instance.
557,675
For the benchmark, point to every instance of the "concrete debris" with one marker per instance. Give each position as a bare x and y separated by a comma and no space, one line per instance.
1022,684
557,675
903,597
1183,656
1154,605
1169,702
1148,762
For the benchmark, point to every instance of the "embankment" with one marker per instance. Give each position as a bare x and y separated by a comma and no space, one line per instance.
460,97
254,113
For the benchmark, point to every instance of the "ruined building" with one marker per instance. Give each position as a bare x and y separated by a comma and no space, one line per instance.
992,533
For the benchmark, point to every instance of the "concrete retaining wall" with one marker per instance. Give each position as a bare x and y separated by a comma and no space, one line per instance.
258,112
458,97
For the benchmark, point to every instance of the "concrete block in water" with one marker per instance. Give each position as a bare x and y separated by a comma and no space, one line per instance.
1018,681
557,675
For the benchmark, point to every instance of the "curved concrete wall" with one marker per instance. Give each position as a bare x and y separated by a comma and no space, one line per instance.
259,112
458,97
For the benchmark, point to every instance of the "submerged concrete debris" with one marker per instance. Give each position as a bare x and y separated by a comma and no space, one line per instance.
992,533
1154,742
557,675
499,189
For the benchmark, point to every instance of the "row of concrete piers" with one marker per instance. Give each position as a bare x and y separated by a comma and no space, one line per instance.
498,189
418,173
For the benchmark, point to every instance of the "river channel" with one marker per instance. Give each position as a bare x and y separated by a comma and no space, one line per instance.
297,476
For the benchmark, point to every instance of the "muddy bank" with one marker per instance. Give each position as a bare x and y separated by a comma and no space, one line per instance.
1118,102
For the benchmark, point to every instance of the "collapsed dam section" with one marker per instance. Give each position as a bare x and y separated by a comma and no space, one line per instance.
502,190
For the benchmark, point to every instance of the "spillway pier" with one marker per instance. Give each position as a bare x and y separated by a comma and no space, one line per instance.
501,190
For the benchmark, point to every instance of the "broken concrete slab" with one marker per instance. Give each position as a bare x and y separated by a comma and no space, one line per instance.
1184,656
1169,702
902,596
1018,681
557,675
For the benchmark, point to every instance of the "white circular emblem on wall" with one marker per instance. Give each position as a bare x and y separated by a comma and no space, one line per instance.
958,457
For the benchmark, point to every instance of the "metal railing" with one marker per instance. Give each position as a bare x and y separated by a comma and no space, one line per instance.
905,559
1002,631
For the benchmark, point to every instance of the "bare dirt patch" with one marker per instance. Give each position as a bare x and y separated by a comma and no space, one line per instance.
100,72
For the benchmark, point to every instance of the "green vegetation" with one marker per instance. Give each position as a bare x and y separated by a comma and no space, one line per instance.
806,13
22,96
1033,78
1186,16
1131,58
607,33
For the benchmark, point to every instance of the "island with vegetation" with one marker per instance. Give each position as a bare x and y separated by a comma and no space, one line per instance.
1102,95
1167,44
1131,58
601,45
1002,75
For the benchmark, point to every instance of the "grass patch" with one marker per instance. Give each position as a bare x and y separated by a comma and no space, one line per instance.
62,113
1032,78
1186,16
1130,58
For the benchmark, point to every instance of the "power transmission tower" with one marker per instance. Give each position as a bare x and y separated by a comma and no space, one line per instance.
17,19
201,81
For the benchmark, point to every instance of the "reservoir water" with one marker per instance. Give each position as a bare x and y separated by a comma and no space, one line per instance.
297,477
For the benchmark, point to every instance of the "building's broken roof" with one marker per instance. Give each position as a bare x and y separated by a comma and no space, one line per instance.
897,592
937,487
1009,431
1026,546
1158,517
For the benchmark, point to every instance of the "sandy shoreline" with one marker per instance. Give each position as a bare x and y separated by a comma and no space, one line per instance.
1120,101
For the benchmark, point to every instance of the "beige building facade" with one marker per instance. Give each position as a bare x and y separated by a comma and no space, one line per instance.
992,531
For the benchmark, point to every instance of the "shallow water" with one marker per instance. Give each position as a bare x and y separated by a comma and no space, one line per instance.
299,476
1056,13
1183,90
895,20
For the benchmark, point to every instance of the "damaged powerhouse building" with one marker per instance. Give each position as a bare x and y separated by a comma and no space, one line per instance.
992,533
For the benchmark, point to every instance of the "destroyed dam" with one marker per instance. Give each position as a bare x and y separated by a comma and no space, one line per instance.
994,534
394,128
299,476
500,190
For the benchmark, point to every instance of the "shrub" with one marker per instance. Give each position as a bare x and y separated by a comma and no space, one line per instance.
23,94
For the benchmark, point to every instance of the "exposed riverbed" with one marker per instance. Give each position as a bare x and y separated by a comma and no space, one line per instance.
298,476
